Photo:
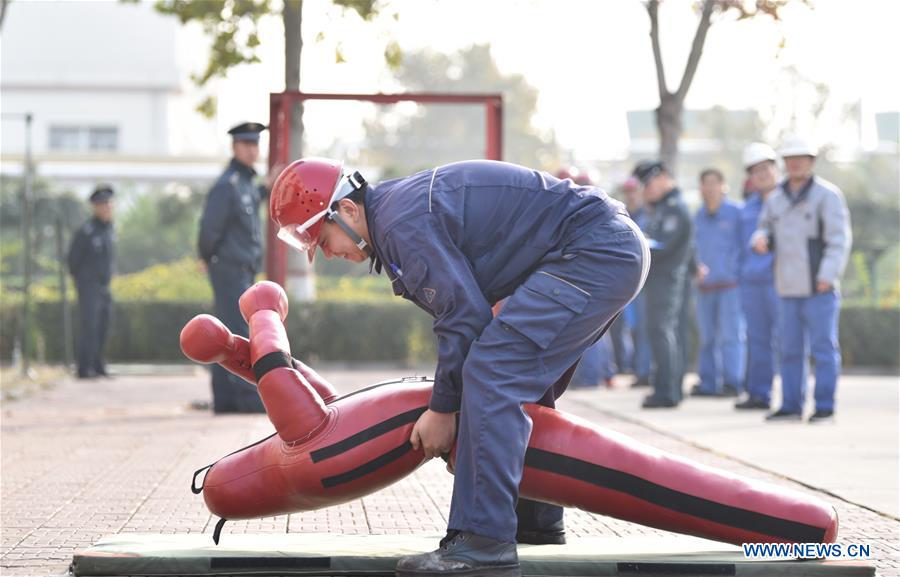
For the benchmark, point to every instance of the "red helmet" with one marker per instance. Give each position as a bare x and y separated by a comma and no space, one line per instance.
301,198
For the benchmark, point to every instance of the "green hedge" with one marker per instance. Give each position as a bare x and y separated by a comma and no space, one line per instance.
148,331
870,337
350,331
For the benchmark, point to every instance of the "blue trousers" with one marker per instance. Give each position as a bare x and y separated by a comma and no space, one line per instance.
760,304
809,324
722,339
545,326
94,311
663,300
596,364
642,358
231,393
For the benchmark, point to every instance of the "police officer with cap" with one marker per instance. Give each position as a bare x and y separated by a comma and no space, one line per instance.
667,224
230,245
90,261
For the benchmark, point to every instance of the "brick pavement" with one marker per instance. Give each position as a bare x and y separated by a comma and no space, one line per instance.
87,459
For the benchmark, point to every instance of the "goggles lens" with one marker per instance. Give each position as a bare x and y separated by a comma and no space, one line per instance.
298,235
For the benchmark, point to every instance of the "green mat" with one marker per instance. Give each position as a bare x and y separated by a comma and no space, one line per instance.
364,555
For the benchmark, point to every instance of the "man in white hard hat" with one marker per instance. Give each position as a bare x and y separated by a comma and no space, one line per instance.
757,283
807,225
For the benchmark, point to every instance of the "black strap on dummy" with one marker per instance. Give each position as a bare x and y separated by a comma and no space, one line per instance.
217,532
271,361
194,488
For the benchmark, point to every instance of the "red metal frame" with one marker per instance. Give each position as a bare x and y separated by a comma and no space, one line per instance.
281,106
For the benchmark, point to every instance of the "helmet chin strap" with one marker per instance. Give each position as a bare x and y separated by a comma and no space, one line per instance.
361,244
356,182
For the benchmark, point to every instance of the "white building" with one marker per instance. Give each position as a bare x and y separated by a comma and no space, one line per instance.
103,84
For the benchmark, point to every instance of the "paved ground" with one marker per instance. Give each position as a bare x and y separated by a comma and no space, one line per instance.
87,459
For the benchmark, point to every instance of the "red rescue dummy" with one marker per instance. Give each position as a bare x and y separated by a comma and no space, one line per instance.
329,453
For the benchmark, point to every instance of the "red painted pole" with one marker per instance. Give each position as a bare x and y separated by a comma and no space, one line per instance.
494,147
279,139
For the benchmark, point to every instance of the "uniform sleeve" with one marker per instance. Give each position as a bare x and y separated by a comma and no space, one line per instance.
837,237
764,224
694,262
671,241
438,277
215,218
77,251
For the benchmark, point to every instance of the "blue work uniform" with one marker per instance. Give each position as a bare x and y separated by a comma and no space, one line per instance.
90,259
230,242
722,334
759,301
668,224
455,240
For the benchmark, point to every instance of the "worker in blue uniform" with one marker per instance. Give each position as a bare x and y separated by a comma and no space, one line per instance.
91,258
758,297
454,240
668,226
230,246
717,236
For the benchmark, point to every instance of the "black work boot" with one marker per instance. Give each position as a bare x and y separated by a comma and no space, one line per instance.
463,554
539,523
554,534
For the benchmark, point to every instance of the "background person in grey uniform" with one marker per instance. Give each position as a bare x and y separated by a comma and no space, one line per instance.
90,260
807,224
230,244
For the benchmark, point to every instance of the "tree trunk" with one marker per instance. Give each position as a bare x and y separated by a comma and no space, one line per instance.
3,5
671,104
293,47
301,280
668,121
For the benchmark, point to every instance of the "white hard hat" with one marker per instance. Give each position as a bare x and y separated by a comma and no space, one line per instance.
797,146
757,152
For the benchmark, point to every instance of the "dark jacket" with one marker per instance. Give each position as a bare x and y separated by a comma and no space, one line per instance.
229,228
668,225
92,253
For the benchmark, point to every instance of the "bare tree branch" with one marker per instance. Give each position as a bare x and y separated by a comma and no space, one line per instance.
653,10
3,6
696,49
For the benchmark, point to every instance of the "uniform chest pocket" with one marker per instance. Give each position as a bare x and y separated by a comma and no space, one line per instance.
542,307
410,281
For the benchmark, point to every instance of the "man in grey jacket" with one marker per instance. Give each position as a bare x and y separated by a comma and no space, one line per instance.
806,224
